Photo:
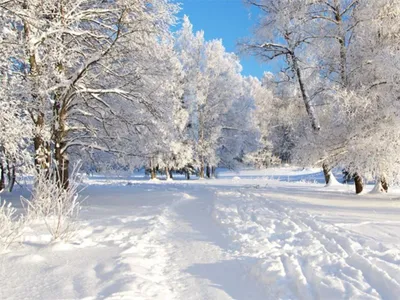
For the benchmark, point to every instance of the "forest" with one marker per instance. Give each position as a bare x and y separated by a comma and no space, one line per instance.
124,85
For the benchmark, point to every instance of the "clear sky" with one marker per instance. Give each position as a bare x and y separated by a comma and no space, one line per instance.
229,20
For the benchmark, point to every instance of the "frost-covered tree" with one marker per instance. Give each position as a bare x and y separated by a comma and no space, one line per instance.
254,131
85,60
360,113
169,149
375,63
15,130
282,35
285,116
222,86
190,49
212,84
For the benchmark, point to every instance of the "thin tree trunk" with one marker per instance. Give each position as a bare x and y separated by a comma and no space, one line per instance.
327,173
201,173
13,179
384,183
187,174
11,173
359,183
59,140
2,178
213,172
64,174
153,174
42,153
341,38
201,141
208,171
167,174
306,98
62,165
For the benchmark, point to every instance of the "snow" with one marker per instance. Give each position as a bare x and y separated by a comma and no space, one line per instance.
274,234
332,180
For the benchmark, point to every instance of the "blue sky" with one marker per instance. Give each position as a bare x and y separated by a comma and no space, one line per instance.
229,20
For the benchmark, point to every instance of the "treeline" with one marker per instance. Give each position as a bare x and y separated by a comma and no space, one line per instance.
125,84
115,84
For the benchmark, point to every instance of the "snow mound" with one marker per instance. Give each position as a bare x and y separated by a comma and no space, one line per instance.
187,196
378,189
30,258
333,181
61,246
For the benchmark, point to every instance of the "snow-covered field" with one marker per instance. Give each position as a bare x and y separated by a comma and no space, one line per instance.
272,234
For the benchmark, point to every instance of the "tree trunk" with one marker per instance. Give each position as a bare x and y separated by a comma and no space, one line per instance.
359,183
187,174
59,140
201,141
40,150
327,173
11,173
170,174
201,173
13,179
153,174
42,153
384,183
213,172
2,178
341,38
167,174
62,164
208,171
306,98
63,175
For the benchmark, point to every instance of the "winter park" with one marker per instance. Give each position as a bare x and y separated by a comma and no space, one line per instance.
199,149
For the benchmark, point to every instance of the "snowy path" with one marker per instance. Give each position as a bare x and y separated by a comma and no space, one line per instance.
205,264
220,239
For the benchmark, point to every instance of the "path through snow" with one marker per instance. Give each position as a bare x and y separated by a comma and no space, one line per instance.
249,238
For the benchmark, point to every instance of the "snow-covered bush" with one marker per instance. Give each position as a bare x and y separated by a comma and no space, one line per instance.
11,225
56,206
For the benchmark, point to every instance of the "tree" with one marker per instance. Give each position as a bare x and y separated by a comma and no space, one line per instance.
15,130
85,60
252,139
282,35
212,83
361,108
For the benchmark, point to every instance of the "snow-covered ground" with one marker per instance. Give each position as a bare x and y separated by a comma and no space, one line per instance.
271,234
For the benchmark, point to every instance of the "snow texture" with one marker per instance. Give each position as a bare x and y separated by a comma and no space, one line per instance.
273,234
